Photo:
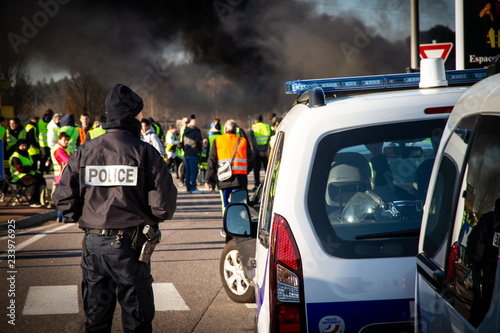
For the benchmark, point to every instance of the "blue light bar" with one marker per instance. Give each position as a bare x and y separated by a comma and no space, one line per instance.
380,81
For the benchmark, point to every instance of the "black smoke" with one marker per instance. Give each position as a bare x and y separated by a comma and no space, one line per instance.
237,54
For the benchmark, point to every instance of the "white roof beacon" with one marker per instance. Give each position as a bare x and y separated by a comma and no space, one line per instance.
432,74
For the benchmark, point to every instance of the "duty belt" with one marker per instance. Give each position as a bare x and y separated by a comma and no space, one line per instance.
111,232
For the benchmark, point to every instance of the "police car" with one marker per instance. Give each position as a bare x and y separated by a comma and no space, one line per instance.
458,275
342,201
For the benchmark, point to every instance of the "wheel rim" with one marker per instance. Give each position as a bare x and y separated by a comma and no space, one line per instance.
233,273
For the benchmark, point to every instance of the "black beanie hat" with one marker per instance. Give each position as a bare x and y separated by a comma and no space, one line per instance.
21,141
122,103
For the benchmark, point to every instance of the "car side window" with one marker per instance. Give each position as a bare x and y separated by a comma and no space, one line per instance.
441,205
478,229
367,188
270,190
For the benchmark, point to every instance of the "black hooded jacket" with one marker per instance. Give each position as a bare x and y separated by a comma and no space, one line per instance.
32,136
116,181
47,117
68,120
14,133
16,162
192,141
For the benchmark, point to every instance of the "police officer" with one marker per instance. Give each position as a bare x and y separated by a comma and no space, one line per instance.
114,185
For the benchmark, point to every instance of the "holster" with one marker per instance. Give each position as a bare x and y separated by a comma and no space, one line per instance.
84,245
138,239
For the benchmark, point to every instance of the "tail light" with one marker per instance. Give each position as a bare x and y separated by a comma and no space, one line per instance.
286,280
438,110
452,264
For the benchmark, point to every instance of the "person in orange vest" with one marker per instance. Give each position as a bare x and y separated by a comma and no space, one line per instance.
224,148
84,128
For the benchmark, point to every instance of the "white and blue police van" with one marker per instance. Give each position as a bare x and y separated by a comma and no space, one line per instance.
342,202
458,278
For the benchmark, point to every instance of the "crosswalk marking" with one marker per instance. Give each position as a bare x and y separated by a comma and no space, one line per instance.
44,300
168,298
51,300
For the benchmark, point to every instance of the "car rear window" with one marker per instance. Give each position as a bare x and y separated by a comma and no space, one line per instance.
368,186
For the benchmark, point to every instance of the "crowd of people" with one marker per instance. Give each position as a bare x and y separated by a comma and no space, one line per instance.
194,159
192,156
29,151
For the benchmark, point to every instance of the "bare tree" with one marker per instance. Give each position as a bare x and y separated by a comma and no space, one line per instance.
85,93
16,90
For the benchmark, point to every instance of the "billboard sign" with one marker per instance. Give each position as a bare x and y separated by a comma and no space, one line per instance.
481,32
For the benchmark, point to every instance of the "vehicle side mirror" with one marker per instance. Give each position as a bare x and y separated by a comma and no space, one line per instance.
237,220
239,196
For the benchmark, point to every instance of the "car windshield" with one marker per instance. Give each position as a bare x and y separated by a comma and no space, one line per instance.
368,186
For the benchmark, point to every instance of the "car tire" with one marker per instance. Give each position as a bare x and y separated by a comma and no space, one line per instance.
237,287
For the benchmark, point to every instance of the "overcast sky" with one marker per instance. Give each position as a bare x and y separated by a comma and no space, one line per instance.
432,12
390,18
236,50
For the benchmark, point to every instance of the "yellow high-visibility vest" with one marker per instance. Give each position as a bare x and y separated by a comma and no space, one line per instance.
262,133
25,161
74,135
42,133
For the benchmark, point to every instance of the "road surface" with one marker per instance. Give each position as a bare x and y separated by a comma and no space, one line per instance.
41,276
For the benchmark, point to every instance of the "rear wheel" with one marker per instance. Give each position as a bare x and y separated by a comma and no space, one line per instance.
237,286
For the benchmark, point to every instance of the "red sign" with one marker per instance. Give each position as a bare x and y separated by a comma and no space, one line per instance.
440,50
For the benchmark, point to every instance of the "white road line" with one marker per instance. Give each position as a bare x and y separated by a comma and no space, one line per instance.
27,231
43,300
46,300
167,298
33,239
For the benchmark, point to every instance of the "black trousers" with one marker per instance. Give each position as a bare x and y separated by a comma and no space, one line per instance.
177,163
35,181
111,274
259,162
45,157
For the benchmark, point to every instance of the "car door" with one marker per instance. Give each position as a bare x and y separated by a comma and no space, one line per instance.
264,227
457,264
